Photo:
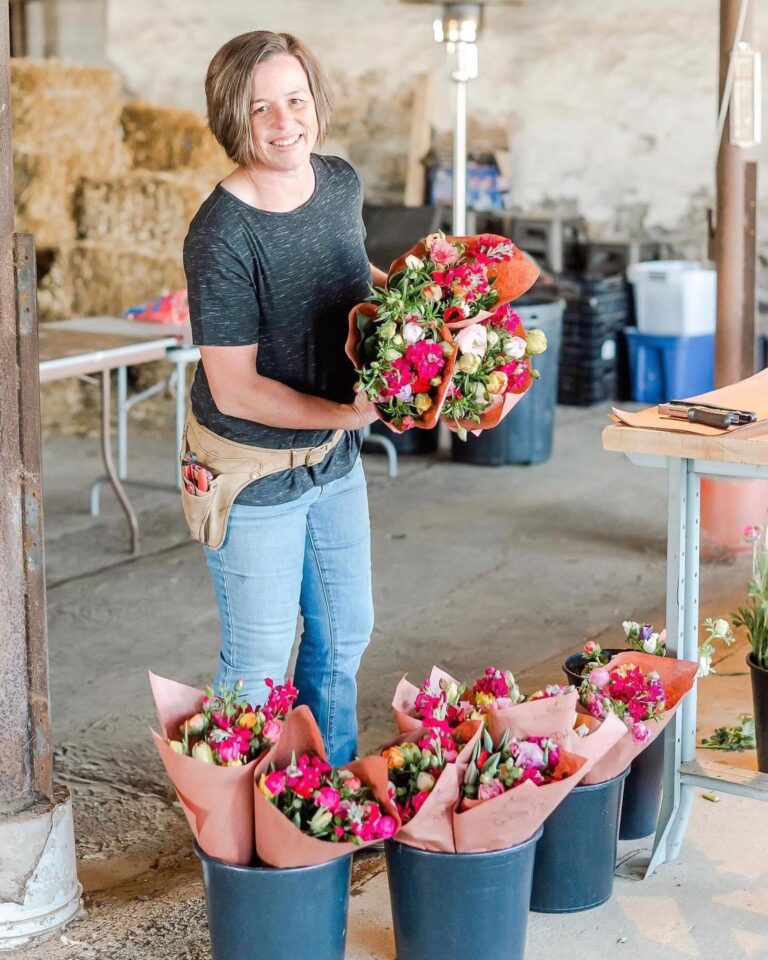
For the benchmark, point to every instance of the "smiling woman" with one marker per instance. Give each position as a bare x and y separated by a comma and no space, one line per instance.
275,259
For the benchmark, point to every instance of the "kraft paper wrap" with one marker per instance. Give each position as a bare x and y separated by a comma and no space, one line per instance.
405,698
484,825
749,394
432,827
549,717
278,842
217,801
500,407
602,737
510,279
678,677
354,338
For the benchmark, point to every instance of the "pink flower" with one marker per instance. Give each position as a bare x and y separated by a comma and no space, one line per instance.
419,799
487,791
529,754
353,783
275,782
385,827
441,251
327,797
600,677
640,732
272,730
590,647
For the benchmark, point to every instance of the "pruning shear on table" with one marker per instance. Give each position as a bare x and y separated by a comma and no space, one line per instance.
706,413
196,477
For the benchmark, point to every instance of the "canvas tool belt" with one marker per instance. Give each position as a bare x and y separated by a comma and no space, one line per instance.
234,466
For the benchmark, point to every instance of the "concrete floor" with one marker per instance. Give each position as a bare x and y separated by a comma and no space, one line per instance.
512,566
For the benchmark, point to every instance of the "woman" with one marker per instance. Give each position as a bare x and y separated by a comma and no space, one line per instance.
274,261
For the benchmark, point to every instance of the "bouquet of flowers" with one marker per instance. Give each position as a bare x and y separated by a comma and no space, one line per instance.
307,813
642,691
400,340
509,788
328,804
493,371
206,745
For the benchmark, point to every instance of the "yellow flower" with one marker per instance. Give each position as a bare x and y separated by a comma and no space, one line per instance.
484,699
536,342
422,402
497,382
468,363
263,787
248,720
394,757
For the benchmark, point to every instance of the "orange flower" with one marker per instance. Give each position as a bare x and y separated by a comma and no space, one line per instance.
247,720
394,757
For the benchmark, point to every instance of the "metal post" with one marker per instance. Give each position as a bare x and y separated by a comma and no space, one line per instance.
459,156
730,362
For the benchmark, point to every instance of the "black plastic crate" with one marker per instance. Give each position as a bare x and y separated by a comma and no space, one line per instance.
587,351
586,383
584,286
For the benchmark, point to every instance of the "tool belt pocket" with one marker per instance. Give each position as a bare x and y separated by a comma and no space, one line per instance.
197,510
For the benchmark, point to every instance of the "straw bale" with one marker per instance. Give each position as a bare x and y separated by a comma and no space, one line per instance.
166,138
42,193
141,207
70,111
92,277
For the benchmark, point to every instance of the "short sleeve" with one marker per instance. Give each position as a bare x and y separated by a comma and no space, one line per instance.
223,306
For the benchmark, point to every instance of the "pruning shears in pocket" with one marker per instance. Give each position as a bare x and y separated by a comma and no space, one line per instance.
197,478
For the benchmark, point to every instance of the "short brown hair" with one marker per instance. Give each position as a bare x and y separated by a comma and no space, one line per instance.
228,88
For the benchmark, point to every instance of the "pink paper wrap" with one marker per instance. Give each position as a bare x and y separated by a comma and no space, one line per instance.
278,842
602,737
483,825
678,678
432,827
405,697
217,801
549,717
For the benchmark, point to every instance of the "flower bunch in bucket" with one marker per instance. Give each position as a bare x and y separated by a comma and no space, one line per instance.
514,761
325,803
228,731
495,688
633,695
400,340
414,767
492,372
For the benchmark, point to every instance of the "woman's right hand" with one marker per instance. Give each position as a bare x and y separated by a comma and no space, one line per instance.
362,410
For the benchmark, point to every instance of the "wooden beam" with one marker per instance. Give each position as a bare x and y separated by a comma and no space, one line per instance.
748,330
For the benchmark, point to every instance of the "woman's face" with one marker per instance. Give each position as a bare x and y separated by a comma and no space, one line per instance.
283,116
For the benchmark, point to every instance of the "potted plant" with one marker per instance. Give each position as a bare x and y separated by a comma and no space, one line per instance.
754,616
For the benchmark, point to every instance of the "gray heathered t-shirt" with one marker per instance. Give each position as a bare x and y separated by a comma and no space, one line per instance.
286,281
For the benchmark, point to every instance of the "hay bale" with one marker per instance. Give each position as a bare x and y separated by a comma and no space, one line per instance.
66,124
165,138
92,277
141,207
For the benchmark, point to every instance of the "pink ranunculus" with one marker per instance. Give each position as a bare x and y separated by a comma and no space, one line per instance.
487,791
641,732
385,827
419,799
600,677
272,730
529,755
275,782
405,392
353,783
328,797
442,252
590,647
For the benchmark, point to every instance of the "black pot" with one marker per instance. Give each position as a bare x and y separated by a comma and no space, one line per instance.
584,832
643,787
760,705
291,914
441,899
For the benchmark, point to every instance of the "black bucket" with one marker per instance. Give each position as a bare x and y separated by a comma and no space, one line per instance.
439,899
642,793
576,856
643,788
277,914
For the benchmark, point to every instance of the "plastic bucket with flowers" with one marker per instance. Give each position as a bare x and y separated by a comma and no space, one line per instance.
296,914
493,889
586,824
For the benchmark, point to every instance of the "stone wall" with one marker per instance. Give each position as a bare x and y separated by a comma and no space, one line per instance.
610,105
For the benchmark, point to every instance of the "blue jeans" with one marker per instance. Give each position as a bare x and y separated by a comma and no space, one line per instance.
312,554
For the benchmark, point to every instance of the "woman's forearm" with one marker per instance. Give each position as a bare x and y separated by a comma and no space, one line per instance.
276,405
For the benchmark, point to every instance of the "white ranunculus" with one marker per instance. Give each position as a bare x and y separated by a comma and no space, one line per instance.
493,338
721,628
516,347
413,263
650,644
412,332
473,339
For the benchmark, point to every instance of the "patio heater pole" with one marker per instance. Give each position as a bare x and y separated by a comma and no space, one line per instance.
460,158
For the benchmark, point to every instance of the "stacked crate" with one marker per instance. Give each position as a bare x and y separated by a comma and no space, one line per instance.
598,308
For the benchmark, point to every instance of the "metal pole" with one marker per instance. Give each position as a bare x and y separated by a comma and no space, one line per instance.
730,361
17,788
460,157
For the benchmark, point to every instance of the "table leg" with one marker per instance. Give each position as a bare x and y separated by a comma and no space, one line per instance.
682,640
122,422
181,413
109,464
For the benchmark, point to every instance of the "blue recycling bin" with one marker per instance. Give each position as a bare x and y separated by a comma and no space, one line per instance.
525,435
669,368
